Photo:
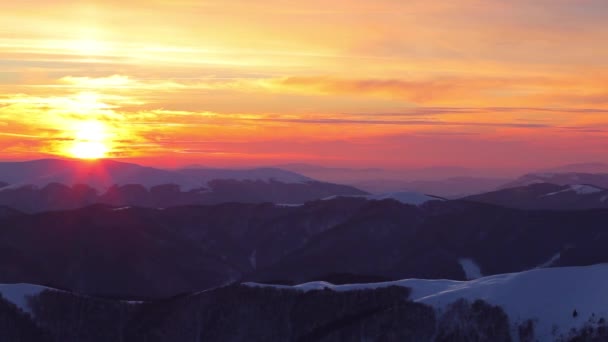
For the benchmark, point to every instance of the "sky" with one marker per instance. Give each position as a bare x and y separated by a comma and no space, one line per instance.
383,83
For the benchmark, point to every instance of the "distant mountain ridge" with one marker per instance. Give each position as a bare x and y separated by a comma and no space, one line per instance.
565,178
454,187
547,196
445,181
592,167
50,184
103,174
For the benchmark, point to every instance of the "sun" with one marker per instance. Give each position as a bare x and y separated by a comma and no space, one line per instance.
88,47
89,150
91,140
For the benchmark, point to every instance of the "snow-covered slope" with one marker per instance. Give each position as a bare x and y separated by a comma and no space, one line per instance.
548,296
18,294
105,173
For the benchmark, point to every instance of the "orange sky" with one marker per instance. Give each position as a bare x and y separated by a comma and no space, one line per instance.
384,83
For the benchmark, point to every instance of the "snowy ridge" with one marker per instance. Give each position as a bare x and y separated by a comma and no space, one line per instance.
579,189
548,295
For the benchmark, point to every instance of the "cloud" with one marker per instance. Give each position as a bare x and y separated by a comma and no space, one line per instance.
333,121
98,82
464,91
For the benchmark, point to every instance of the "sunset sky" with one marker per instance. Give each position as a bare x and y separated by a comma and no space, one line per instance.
383,83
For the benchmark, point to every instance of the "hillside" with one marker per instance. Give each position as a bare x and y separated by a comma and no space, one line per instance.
548,297
112,251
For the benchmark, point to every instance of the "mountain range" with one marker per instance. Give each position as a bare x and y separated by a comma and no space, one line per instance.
50,184
451,182
444,181
53,184
102,174
111,251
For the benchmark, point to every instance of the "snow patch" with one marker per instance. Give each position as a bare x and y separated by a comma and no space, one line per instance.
583,189
579,189
470,268
253,259
551,261
333,197
19,293
289,205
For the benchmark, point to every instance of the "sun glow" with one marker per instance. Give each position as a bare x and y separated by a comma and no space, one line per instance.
91,140
89,47
89,150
